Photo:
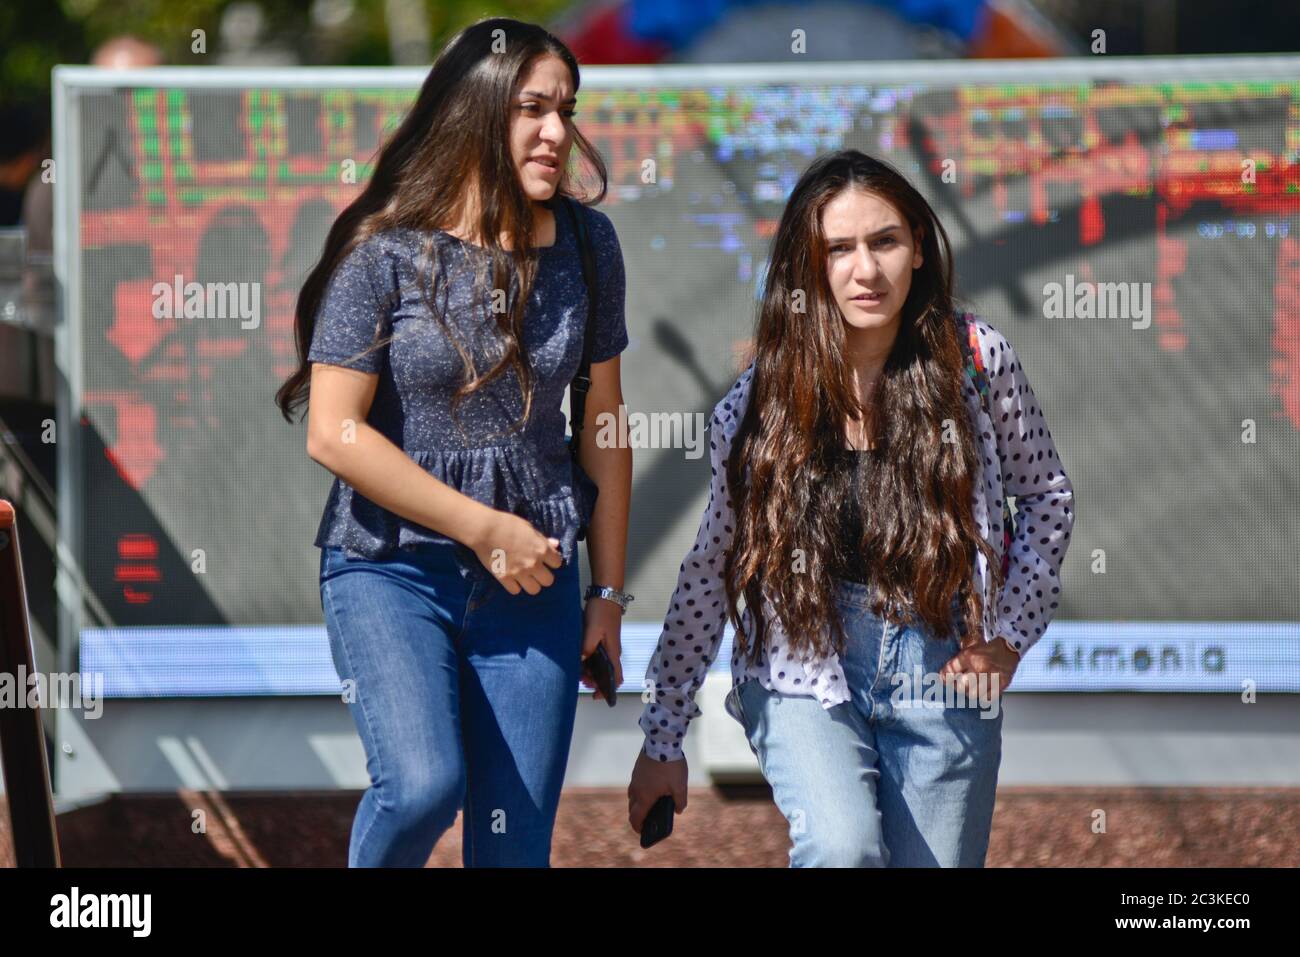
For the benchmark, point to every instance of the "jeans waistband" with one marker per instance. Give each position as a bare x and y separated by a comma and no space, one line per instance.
853,593
467,563
859,595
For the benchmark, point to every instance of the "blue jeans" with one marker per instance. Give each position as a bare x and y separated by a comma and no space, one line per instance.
879,781
462,694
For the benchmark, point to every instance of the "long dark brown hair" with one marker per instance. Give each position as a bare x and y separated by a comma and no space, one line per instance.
456,137
919,528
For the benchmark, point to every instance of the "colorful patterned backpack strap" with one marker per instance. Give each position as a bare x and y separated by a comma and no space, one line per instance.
976,358
969,337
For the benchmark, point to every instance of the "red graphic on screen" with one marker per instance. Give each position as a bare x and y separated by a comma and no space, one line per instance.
134,450
137,556
1286,329
1030,143
135,332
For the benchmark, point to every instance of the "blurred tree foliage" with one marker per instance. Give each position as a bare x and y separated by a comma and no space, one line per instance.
35,35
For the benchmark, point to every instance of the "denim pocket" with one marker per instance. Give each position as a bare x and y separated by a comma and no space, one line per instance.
734,706
331,558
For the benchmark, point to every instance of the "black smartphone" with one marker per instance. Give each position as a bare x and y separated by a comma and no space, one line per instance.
658,824
600,670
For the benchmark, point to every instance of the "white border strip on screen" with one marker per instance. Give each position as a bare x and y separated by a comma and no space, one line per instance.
201,661
934,72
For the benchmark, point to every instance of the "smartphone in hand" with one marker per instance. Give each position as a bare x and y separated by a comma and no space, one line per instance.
658,824
600,670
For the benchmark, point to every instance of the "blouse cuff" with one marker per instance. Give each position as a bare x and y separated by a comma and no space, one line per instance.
663,751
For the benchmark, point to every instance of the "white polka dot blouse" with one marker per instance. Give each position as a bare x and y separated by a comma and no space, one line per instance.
1020,460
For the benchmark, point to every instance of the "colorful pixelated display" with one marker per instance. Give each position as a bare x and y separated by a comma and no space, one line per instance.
1136,242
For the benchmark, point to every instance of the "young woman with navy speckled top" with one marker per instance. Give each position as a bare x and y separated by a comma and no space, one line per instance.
860,467
436,338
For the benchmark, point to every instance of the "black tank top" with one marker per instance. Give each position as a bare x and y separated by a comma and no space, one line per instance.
848,561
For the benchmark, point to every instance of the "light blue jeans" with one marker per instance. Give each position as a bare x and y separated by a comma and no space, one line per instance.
462,694
871,782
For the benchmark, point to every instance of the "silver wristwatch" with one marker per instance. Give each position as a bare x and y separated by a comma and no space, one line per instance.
620,598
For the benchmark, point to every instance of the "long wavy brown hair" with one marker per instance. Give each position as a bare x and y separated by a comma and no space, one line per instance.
454,139
919,532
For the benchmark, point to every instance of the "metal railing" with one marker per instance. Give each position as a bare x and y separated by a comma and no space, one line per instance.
22,739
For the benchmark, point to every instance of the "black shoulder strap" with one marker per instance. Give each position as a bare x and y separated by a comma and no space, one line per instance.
582,380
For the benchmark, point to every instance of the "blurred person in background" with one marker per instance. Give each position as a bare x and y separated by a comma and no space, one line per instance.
126,53
118,53
22,147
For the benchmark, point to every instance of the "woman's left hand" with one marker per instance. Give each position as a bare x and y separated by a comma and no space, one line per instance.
994,658
602,624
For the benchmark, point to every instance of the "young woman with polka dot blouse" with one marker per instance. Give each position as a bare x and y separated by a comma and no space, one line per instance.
856,503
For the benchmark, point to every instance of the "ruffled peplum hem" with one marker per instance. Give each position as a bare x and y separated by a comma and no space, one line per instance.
501,477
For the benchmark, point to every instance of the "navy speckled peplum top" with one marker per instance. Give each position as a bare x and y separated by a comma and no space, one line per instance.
375,293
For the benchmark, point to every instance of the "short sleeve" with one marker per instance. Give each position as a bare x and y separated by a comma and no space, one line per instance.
356,311
611,292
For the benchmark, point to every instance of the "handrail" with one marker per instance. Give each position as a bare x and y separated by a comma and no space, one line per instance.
22,739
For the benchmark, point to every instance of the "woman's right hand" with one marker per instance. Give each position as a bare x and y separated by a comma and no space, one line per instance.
651,780
517,555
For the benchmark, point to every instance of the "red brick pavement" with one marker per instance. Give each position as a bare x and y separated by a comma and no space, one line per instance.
1038,827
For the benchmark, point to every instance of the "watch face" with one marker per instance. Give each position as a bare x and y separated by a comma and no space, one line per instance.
611,594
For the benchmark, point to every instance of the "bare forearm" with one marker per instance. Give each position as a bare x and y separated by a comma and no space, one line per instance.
386,475
611,470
